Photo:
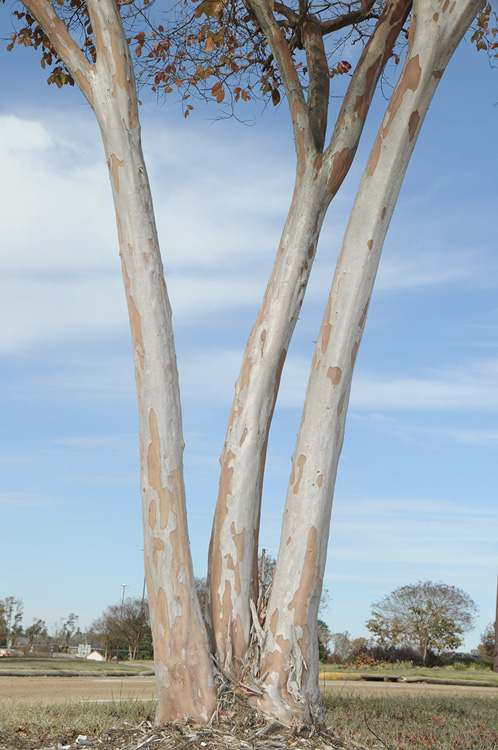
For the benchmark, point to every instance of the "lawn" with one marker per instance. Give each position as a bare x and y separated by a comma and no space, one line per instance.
381,723
392,671
31,665
415,723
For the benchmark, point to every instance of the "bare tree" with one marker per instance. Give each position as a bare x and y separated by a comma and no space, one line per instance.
123,624
277,647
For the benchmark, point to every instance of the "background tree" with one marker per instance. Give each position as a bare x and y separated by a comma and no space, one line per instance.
430,616
289,46
11,612
37,632
486,645
123,625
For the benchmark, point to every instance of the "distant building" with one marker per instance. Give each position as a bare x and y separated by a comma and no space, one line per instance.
95,656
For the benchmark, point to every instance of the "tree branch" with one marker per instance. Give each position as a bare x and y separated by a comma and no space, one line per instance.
290,79
319,82
348,19
63,43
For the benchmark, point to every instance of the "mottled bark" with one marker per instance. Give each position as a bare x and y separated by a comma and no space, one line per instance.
234,540
180,639
290,659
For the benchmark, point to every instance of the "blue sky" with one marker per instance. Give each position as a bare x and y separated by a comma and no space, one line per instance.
417,484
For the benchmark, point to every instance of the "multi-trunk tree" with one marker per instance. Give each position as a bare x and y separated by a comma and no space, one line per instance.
271,652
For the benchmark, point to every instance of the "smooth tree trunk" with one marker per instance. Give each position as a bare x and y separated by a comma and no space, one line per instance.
179,634
290,656
232,569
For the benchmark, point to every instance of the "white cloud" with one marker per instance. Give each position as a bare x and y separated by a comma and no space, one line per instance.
470,385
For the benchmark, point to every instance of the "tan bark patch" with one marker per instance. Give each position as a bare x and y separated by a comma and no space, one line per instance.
300,600
169,500
115,165
362,102
413,125
242,439
334,375
319,480
340,165
157,546
300,466
383,214
354,352
363,318
340,405
370,244
245,373
152,245
326,327
152,514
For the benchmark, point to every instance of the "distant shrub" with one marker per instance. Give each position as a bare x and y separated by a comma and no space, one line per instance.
402,655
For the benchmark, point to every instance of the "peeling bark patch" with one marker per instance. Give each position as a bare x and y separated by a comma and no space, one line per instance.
289,540
413,125
130,249
340,405
245,373
438,74
408,82
301,152
114,165
239,541
300,465
363,318
446,6
435,17
152,514
319,480
363,101
152,245
157,546
334,375
136,329
244,435
326,327
370,244
354,351
383,214
340,165
168,499
304,591
273,622
146,258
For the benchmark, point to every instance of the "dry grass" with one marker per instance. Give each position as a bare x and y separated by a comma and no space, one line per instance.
380,723
412,723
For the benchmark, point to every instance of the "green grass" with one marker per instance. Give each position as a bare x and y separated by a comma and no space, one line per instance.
415,723
28,663
481,674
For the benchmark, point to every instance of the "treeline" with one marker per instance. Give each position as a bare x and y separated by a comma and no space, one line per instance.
121,631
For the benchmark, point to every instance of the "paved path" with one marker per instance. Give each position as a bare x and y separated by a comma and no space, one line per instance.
75,689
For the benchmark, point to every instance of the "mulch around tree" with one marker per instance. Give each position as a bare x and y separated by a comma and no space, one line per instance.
227,735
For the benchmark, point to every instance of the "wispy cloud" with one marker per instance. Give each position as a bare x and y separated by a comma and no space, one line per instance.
27,500
470,385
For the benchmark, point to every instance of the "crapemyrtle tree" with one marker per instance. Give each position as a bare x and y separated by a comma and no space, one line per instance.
293,51
430,616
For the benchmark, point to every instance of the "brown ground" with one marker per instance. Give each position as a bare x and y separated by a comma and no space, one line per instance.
68,689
